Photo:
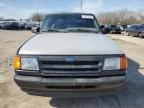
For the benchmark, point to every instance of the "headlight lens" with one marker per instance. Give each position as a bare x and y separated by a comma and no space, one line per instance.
116,63
29,64
25,63
111,64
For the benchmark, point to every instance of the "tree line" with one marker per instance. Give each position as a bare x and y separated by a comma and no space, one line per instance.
121,16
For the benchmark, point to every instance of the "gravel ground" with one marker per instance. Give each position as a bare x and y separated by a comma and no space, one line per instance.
131,96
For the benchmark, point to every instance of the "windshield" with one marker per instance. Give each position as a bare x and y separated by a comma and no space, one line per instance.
142,27
115,26
70,23
138,27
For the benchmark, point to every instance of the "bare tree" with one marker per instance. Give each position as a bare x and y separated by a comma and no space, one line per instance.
122,16
141,15
37,16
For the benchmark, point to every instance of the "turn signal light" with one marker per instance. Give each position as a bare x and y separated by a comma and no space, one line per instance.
123,62
17,62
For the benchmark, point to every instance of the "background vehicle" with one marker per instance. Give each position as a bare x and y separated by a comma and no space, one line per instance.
22,25
31,24
114,29
10,26
135,30
123,27
105,29
102,29
28,26
36,27
1,24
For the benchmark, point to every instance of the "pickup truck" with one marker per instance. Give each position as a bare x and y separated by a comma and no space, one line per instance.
69,56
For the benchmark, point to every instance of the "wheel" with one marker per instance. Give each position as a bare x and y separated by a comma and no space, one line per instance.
141,35
127,33
111,32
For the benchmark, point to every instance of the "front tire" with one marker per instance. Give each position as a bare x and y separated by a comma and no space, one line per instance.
127,33
111,32
141,35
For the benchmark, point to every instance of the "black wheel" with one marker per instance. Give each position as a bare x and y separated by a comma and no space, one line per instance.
127,33
141,35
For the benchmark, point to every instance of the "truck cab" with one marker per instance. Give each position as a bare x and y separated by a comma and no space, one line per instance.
69,57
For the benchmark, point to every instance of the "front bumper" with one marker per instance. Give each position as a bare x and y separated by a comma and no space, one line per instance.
143,34
69,86
115,31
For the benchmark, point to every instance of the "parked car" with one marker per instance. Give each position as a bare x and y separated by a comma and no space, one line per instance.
10,26
32,24
135,30
35,27
123,27
115,29
70,57
22,25
28,26
107,29
104,29
1,23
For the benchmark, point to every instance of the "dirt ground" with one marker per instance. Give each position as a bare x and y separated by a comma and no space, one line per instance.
131,96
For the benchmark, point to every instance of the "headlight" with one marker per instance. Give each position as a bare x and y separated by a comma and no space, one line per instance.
25,63
116,63
29,64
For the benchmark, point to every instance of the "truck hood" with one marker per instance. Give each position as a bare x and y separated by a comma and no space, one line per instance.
69,44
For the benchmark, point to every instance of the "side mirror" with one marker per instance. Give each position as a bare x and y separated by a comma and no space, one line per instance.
36,30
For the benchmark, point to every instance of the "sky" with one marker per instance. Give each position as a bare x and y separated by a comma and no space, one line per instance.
21,9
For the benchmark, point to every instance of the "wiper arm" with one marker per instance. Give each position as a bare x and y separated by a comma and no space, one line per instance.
55,30
52,30
82,30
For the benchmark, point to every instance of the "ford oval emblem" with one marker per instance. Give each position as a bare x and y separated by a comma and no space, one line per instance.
70,59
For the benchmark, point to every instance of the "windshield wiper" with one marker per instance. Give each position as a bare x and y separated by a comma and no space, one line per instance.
82,30
53,30
73,30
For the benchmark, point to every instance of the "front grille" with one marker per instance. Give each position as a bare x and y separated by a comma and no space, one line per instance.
80,66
